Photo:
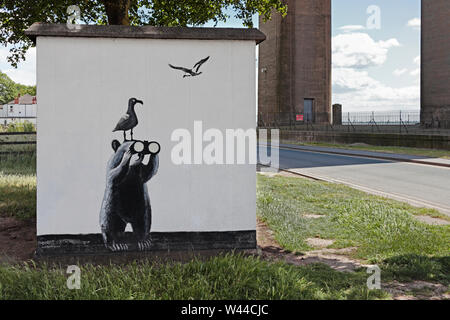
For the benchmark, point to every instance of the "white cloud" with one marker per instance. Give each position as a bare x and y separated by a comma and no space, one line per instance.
354,88
359,50
399,72
26,70
415,72
414,23
348,79
357,91
352,28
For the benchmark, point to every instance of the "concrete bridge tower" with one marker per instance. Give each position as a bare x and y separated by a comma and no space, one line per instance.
435,78
295,65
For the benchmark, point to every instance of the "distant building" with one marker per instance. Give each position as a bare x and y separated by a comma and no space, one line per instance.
295,65
435,56
20,109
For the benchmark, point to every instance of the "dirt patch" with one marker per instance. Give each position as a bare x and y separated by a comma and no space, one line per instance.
319,243
260,169
17,240
269,249
269,174
289,174
417,290
312,216
338,259
265,237
432,221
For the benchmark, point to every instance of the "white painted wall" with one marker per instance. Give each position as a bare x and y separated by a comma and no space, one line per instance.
95,77
19,110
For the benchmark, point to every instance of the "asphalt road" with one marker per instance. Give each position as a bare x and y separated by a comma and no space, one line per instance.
418,184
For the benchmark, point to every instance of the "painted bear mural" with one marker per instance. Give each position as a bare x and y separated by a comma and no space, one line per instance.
126,199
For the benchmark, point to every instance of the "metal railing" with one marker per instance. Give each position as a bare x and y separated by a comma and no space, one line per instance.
405,122
7,120
381,118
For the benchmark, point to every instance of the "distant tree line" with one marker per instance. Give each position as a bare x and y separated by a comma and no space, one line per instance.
10,89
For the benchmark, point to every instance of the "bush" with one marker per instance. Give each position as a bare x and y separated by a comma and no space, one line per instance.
16,126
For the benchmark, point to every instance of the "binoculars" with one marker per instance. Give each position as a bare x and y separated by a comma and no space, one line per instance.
145,147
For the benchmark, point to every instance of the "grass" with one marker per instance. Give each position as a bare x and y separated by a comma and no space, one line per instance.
384,231
18,186
224,277
432,153
417,267
379,228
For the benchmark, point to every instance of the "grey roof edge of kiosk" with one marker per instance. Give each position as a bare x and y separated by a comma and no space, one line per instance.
143,32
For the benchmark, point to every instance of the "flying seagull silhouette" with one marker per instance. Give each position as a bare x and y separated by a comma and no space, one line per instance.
191,72
129,120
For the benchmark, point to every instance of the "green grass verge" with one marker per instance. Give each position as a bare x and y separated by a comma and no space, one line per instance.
383,230
432,153
18,186
378,227
224,277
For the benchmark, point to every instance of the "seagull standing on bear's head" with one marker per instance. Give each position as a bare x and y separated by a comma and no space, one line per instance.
129,120
191,72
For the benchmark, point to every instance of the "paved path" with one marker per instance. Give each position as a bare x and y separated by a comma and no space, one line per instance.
418,184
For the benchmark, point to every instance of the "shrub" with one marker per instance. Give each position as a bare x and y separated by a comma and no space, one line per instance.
16,126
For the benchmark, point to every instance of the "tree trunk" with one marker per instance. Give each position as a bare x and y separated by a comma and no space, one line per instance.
117,11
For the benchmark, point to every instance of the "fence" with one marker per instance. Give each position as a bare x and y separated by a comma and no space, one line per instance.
404,122
10,119
17,142
381,118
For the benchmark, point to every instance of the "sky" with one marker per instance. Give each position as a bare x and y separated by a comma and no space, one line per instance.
376,62
376,67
